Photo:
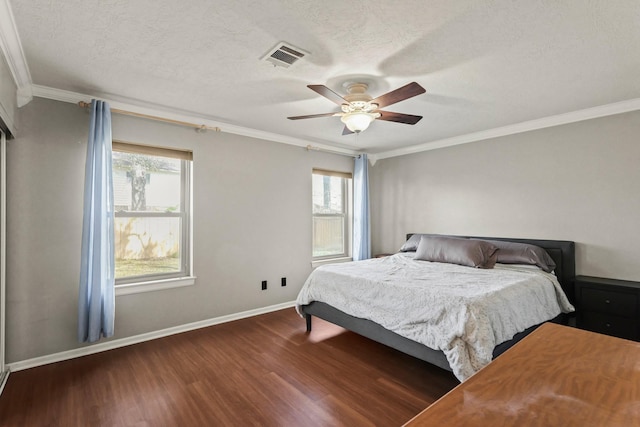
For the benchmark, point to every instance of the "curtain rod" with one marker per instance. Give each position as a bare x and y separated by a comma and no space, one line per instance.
314,148
198,128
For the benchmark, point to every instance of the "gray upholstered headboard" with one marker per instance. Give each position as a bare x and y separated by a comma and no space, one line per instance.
563,253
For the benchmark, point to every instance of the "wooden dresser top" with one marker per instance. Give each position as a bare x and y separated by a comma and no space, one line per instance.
556,376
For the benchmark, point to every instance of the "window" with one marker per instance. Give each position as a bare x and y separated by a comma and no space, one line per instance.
152,213
331,214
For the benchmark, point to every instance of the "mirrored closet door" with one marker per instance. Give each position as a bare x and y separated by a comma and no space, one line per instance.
3,244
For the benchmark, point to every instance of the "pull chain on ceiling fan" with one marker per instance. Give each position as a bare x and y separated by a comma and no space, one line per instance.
359,109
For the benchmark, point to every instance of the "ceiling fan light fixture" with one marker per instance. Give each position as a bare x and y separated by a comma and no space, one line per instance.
359,120
359,109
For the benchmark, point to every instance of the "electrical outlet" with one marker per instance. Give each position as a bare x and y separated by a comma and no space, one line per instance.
264,285
283,281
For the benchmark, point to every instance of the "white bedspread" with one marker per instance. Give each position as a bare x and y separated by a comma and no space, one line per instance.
463,311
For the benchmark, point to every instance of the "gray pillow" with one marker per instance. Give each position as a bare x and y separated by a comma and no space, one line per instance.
452,250
411,245
523,253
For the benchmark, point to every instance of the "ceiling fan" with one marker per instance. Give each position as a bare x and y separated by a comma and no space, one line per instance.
359,109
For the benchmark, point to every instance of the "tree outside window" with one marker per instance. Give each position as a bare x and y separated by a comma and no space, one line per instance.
151,219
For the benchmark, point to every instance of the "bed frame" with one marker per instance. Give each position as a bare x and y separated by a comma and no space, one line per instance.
562,252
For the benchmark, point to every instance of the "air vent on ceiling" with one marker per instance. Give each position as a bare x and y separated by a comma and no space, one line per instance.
284,55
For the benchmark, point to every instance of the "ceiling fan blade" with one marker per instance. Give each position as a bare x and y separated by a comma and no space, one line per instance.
400,94
390,116
328,93
313,116
346,131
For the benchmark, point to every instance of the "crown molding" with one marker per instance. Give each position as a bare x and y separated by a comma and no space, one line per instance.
154,110
162,112
14,54
8,120
557,120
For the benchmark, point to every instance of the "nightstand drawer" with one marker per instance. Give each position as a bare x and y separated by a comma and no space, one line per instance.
609,301
611,325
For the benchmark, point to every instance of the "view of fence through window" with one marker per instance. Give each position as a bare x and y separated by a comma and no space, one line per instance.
148,198
329,215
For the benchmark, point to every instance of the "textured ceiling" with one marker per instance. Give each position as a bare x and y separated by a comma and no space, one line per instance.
484,64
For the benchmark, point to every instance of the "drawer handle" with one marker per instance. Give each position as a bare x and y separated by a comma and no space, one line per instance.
608,325
607,301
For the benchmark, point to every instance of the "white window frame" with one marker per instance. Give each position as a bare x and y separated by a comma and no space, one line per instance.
184,277
346,215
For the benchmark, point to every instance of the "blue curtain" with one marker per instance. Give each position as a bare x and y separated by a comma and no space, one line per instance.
361,228
96,304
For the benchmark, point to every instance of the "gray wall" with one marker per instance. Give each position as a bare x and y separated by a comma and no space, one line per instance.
577,182
8,99
252,222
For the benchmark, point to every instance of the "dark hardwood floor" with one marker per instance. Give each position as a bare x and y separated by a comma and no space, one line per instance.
261,371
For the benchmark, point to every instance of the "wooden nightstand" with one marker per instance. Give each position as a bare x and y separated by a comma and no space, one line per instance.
608,306
381,255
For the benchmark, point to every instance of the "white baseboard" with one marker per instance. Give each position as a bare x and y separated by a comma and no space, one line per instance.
122,342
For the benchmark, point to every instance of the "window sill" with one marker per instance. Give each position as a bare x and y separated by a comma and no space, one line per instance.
154,285
320,262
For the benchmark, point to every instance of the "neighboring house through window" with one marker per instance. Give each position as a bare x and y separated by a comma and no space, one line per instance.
331,214
152,188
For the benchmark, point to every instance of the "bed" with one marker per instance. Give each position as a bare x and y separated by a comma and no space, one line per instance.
462,356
